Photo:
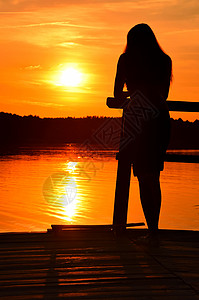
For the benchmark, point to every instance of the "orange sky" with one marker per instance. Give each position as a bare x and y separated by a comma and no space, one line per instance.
40,39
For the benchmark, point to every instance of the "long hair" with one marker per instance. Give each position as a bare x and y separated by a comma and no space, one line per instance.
144,51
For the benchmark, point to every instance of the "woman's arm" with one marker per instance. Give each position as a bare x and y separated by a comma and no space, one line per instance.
120,80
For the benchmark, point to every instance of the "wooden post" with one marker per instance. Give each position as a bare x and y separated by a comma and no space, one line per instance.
122,192
122,182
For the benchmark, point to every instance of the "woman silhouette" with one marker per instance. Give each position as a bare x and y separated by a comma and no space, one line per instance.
147,72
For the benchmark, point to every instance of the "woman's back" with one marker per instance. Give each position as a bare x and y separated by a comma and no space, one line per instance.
149,75
144,66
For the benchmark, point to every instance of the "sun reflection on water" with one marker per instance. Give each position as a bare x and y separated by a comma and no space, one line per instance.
71,165
60,191
66,193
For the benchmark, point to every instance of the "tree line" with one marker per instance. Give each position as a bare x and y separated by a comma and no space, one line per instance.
30,130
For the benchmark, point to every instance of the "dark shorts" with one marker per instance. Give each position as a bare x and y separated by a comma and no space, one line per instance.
147,150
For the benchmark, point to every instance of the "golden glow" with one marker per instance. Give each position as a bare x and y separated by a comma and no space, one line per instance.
71,165
69,211
70,77
60,190
65,66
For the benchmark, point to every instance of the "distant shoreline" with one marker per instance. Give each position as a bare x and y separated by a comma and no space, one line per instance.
103,132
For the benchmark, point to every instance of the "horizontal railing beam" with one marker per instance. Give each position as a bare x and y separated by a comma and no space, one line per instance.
182,158
185,106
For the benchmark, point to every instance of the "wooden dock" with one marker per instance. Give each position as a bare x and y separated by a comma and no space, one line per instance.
90,263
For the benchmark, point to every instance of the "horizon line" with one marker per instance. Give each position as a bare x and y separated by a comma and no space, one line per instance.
84,117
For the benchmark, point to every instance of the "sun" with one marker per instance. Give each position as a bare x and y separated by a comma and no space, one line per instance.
70,77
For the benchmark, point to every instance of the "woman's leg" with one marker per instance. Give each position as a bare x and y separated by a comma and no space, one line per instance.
150,194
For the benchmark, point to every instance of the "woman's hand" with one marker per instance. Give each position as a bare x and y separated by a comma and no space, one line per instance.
126,94
123,95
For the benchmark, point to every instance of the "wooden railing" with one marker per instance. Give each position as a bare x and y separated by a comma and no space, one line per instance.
186,106
182,106
124,168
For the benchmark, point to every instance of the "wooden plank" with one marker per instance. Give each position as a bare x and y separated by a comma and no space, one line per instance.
94,227
182,158
99,283
55,268
185,106
125,295
104,292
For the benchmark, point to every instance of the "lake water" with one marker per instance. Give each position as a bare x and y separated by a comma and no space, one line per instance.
65,185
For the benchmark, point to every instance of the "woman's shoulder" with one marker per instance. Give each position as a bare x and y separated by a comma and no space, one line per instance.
167,59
